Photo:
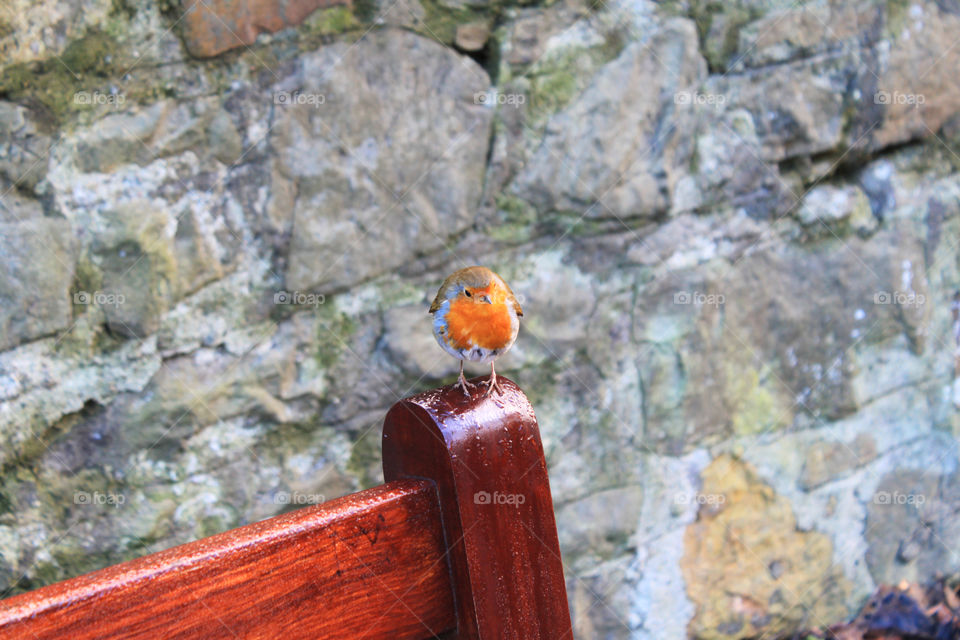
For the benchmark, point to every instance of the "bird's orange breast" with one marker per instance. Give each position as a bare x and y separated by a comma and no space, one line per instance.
484,325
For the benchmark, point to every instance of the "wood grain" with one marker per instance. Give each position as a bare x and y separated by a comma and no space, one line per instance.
486,457
369,565
460,543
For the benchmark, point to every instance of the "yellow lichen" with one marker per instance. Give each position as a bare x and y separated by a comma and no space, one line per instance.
747,568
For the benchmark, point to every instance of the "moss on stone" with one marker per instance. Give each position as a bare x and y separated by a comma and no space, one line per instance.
50,87
214,524
71,562
334,331
557,79
675,8
551,91
364,462
124,9
575,224
719,24
87,277
702,14
441,22
754,407
540,382
62,495
897,14
365,10
89,65
287,437
85,65
398,292
518,221
8,485
331,21
93,53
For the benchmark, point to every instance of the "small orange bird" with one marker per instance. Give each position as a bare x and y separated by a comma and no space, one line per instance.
476,317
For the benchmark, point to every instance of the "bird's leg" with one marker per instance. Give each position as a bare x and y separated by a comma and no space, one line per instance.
462,382
493,385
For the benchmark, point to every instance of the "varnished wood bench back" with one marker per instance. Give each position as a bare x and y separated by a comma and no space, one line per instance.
460,542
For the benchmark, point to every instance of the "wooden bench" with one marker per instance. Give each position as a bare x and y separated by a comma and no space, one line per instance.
460,542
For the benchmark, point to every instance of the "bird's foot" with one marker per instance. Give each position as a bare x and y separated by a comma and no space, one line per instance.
493,385
463,384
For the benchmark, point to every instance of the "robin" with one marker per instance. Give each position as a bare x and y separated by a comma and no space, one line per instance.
476,318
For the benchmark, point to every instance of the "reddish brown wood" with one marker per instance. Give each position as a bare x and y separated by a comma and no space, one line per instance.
370,565
466,519
486,457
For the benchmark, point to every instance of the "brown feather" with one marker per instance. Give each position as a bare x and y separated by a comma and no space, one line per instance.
476,276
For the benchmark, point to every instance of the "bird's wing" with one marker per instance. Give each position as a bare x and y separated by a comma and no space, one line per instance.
442,293
513,299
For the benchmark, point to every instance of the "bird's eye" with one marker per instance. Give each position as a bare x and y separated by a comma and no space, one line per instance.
467,293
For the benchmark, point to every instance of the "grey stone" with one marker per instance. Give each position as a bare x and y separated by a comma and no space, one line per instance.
626,112
798,109
36,31
828,460
138,268
794,32
826,209
36,274
732,349
24,147
600,524
17,207
730,252
409,338
162,129
389,160
911,526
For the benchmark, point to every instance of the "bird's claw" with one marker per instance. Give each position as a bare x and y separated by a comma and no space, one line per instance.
493,385
464,385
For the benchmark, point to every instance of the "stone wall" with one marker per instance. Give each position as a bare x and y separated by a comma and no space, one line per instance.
733,227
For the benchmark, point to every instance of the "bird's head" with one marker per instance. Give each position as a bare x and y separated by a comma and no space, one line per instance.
476,285
479,295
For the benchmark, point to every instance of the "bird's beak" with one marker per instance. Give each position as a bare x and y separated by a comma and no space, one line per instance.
486,298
